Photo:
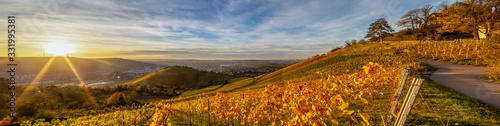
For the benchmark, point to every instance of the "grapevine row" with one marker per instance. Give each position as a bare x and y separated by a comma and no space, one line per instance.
332,100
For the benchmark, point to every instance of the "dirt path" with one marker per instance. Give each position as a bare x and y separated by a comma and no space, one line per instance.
465,79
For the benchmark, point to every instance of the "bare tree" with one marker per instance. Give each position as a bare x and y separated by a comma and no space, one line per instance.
426,15
411,19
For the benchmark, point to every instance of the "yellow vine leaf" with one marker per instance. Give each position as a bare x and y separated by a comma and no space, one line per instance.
365,117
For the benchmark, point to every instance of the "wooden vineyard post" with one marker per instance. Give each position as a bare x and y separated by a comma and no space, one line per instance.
123,118
477,54
451,52
208,122
467,49
409,101
190,112
397,95
415,66
199,119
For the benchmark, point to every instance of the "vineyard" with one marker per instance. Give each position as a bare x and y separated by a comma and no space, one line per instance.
353,98
352,86
331,100
141,116
330,64
469,52
494,71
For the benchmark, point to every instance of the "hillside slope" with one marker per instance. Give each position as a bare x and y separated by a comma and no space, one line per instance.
351,86
173,80
33,65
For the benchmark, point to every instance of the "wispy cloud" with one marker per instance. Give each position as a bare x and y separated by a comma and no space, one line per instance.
212,29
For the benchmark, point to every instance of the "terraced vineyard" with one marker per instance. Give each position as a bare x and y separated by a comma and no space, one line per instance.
141,116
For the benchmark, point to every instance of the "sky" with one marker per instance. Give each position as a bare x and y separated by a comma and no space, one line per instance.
194,29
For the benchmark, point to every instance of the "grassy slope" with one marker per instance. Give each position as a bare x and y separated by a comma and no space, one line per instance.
199,91
349,58
234,84
33,65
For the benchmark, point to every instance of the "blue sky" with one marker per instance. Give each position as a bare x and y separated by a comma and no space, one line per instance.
198,29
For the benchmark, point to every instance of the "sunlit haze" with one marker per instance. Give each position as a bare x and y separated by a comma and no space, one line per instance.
59,49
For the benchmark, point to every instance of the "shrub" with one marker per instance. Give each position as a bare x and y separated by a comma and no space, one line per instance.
494,71
117,98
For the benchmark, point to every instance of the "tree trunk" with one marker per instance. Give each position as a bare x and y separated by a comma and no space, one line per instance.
476,34
490,27
412,23
380,36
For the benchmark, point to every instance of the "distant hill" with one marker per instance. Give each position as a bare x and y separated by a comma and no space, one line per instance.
173,80
215,65
33,65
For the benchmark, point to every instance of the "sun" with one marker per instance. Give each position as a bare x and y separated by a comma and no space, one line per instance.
59,49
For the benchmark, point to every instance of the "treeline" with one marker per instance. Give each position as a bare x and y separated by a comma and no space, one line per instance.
56,102
468,19
473,17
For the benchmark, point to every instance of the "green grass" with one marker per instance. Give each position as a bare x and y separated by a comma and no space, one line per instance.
490,80
451,107
441,106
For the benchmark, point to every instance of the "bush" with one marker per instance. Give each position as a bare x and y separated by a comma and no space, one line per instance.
495,38
335,49
494,71
27,110
117,98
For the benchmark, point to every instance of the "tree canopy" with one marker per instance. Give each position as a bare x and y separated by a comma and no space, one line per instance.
470,16
378,30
